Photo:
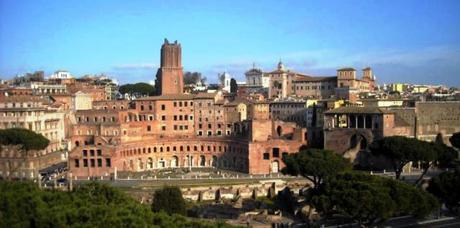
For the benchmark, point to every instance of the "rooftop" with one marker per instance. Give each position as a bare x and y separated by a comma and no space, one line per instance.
357,110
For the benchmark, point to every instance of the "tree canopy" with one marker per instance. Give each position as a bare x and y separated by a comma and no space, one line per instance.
193,78
402,150
368,199
446,187
169,199
141,88
27,138
315,164
455,140
23,204
233,86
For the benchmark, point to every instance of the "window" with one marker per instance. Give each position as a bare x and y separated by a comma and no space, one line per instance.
175,117
276,152
91,153
107,162
77,163
85,153
93,163
266,156
149,128
163,117
99,153
174,104
163,107
85,162
99,162
163,128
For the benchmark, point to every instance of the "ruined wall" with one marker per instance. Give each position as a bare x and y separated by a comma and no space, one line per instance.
437,117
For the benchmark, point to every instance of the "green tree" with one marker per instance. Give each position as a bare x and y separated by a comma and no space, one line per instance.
140,89
455,140
401,150
233,86
315,164
169,199
446,187
23,204
369,200
446,155
193,78
27,138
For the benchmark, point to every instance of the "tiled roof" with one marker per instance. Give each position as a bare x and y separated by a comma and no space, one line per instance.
315,79
168,97
357,110
346,69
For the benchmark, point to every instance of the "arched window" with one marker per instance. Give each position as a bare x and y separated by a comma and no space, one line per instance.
202,160
279,131
150,163
174,161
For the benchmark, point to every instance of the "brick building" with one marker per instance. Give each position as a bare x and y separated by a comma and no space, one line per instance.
284,83
40,116
180,130
349,130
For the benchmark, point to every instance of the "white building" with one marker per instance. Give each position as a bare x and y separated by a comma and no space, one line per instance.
61,74
256,78
226,82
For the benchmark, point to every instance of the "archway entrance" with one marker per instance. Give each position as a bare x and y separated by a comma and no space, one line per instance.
174,161
275,167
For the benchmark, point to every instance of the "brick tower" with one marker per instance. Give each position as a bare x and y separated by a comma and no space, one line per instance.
170,78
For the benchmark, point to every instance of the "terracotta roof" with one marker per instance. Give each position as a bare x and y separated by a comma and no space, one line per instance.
23,98
168,97
357,110
346,69
205,95
315,79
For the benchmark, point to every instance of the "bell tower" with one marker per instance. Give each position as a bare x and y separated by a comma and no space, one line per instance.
170,79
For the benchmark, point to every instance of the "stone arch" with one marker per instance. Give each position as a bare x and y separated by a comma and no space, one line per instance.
354,141
202,160
279,131
150,163
363,143
275,166
174,161
214,161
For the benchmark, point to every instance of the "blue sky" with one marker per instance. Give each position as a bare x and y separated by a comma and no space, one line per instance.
403,40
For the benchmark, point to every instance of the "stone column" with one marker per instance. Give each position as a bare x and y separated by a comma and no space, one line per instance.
356,121
364,121
372,122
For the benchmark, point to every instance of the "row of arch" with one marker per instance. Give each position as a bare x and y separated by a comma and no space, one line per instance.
183,148
150,163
